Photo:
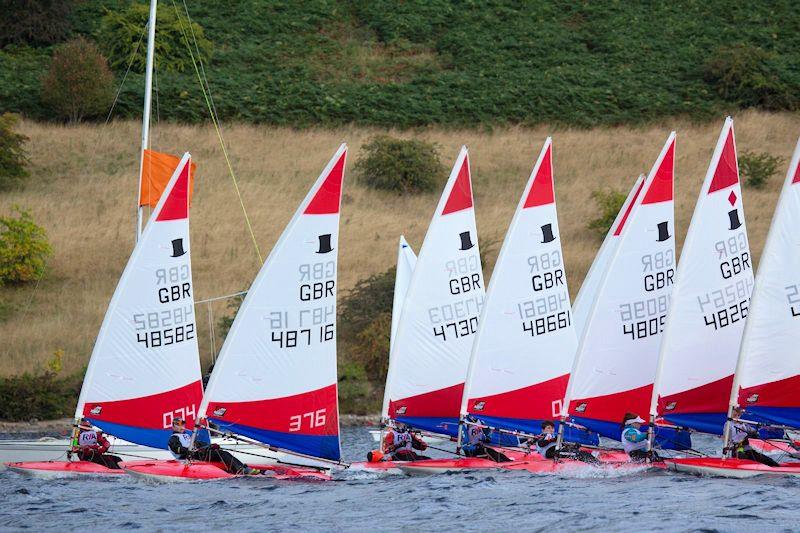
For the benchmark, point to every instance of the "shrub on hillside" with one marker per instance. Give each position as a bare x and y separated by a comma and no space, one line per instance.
120,31
23,248
79,83
13,157
758,168
745,74
609,202
405,166
35,22
41,396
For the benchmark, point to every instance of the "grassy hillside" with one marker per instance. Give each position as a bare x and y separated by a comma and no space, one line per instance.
461,63
83,181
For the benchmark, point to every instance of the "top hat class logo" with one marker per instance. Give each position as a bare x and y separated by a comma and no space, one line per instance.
325,244
663,231
733,215
547,234
177,248
466,241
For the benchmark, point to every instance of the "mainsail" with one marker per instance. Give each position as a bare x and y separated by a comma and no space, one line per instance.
275,378
145,368
709,303
768,376
591,282
406,261
617,355
430,354
526,342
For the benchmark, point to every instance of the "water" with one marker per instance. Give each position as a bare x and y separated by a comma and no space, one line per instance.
360,501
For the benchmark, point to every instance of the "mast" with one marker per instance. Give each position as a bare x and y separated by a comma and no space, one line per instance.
148,97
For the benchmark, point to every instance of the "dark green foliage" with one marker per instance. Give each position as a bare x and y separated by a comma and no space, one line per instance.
609,202
79,83
42,396
13,157
23,248
758,168
400,165
35,22
224,323
121,30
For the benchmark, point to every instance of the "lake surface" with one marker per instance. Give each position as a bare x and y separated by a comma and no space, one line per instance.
361,501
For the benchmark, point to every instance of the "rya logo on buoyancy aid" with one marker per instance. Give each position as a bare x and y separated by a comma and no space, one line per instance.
186,441
87,438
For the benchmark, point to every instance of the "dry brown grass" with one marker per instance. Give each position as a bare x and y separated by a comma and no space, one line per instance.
84,178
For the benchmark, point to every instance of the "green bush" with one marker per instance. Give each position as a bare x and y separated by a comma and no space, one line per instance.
225,322
746,74
758,168
405,166
13,157
42,396
120,31
23,248
35,22
609,202
79,83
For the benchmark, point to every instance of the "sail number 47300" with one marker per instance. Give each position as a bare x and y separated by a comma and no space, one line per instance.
310,420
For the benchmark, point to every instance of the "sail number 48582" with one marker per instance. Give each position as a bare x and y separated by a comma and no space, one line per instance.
310,420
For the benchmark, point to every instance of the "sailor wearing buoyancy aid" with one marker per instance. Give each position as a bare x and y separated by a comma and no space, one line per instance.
546,441
476,434
741,433
634,440
180,446
399,443
93,445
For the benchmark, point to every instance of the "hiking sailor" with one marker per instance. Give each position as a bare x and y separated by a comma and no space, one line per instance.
546,443
180,446
400,442
93,445
741,433
478,435
634,440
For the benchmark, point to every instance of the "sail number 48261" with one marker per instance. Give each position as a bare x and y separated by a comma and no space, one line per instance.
310,420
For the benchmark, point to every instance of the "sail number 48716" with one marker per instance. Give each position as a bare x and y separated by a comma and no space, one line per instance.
310,420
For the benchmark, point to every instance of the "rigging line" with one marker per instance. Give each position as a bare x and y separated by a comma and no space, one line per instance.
215,122
125,76
202,67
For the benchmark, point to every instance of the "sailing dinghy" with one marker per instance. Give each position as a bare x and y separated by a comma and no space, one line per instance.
274,383
767,374
144,369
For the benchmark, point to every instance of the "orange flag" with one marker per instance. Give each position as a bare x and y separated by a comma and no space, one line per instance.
156,172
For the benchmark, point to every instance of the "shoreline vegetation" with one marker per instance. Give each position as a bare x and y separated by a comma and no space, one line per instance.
82,186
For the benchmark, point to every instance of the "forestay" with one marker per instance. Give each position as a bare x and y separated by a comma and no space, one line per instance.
429,358
145,367
617,355
275,378
526,342
709,304
406,261
591,282
769,369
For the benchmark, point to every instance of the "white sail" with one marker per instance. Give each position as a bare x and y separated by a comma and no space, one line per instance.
591,282
145,367
429,358
768,376
275,378
709,303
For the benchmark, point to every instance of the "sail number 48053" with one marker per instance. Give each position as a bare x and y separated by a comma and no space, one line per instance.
310,420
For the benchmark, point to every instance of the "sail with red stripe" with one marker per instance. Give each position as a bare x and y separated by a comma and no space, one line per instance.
430,354
406,261
710,302
768,376
591,282
616,360
145,367
275,378
526,341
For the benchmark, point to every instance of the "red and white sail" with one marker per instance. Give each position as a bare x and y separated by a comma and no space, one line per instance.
591,283
710,302
145,367
406,261
768,376
275,378
618,351
430,354
526,341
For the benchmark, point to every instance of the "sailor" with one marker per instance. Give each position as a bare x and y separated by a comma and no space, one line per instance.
400,442
180,443
93,445
741,433
476,435
634,440
546,441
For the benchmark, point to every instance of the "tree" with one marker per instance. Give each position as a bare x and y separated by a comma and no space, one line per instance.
13,157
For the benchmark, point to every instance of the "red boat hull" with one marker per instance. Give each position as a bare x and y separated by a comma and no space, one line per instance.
734,468
55,469
202,471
